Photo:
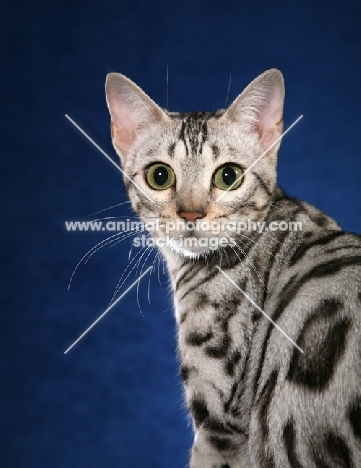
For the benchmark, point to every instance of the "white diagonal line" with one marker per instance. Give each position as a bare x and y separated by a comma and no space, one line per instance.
108,157
258,159
258,308
108,309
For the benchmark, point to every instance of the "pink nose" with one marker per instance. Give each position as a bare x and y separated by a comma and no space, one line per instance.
191,215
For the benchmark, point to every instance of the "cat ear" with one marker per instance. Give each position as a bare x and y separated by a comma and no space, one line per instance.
131,111
260,107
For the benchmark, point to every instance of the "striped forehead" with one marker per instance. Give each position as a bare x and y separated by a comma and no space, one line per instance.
193,133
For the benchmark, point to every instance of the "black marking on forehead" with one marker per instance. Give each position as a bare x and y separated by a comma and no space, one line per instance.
171,150
215,151
194,131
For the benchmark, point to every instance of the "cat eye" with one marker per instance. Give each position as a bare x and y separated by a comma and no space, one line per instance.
226,175
160,176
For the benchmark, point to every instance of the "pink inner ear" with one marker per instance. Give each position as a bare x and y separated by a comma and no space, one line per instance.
123,120
259,107
124,126
123,138
121,112
270,136
270,119
131,111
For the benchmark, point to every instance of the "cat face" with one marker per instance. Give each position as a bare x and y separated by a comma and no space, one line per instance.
198,174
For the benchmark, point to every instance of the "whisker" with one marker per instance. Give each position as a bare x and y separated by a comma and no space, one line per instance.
130,251
109,208
120,284
246,257
167,88
87,253
153,265
262,247
150,248
126,236
229,87
114,242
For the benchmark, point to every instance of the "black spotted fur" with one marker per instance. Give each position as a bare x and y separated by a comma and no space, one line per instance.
256,400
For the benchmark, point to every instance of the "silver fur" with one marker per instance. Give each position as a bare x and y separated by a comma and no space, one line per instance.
256,401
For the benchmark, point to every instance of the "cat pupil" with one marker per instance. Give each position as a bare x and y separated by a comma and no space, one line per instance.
161,176
229,175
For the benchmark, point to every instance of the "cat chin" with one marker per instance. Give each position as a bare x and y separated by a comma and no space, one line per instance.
184,252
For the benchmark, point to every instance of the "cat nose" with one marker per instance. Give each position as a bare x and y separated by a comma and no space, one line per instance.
191,215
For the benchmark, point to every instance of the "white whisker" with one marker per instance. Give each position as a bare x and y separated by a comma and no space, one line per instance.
229,87
150,248
120,284
87,253
111,242
109,208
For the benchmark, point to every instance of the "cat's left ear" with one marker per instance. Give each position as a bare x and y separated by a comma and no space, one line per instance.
260,107
131,111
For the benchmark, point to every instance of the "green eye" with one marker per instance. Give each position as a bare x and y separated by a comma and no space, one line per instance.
160,176
226,175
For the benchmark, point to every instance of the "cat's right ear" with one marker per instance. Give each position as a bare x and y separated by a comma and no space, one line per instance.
131,111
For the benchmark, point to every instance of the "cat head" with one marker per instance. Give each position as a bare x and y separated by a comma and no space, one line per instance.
198,169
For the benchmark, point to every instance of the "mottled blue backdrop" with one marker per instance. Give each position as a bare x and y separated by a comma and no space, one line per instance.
115,399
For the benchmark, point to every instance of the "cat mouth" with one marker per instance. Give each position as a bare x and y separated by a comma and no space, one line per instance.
188,251
196,245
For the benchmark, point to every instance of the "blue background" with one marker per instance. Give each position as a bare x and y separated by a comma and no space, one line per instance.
115,399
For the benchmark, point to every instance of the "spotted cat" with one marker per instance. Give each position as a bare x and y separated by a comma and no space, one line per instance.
269,323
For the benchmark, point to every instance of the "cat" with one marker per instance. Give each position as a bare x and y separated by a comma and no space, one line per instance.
257,399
